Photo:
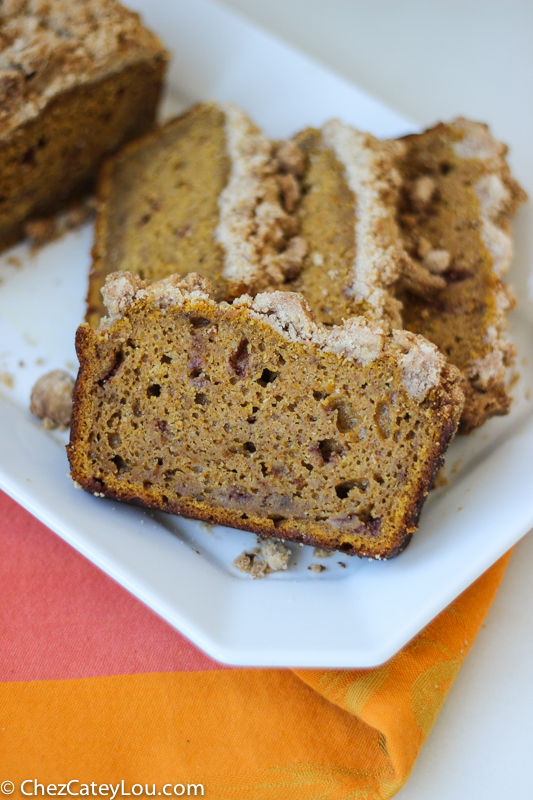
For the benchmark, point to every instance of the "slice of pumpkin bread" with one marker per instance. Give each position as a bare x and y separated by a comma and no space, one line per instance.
346,203
199,194
255,416
454,212
77,79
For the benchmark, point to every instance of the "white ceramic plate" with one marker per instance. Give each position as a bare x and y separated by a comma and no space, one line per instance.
356,616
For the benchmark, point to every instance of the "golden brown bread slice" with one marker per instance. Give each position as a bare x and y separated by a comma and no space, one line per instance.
255,416
455,205
203,193
208,192
77,79
346,206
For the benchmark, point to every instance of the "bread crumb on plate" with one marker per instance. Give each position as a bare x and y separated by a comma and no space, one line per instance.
269,556
51,399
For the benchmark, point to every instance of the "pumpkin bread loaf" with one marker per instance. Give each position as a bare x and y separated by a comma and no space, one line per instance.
454,211
255,416
77,78
346,205
203,193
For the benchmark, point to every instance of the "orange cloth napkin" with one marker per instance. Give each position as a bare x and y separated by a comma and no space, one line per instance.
97,690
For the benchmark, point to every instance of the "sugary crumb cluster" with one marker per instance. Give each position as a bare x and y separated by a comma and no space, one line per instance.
269,556
51,399
256,226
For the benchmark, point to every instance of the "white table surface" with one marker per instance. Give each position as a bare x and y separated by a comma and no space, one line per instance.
434,60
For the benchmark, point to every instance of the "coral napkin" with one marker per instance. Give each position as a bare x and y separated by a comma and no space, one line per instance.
100,697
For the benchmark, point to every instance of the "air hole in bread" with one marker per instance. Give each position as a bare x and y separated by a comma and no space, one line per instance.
120,464
346,416
267,376
328,448
114,440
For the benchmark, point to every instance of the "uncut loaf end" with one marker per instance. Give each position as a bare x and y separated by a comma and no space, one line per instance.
77,79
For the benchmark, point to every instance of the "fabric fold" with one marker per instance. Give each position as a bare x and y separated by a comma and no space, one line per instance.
133,700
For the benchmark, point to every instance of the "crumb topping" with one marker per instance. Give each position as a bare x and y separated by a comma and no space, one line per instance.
422,190
123,288
493,366
48,47
120,291
437,261
286,312
477,142
421,364
269,556
492,193
357,339
255,230
494,200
